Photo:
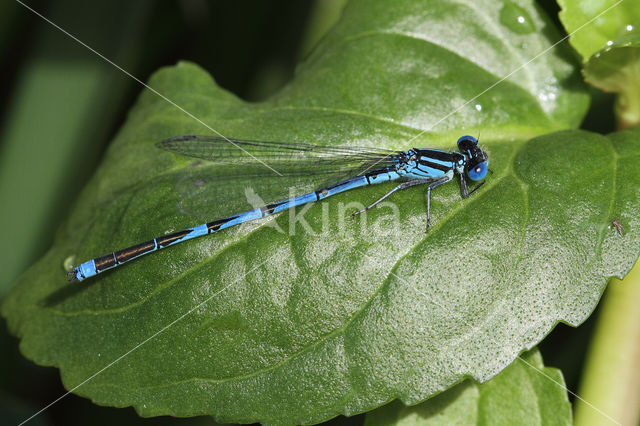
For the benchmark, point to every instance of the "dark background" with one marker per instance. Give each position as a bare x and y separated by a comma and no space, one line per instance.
60,105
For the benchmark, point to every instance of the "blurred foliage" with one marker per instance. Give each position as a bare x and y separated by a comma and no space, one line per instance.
610,50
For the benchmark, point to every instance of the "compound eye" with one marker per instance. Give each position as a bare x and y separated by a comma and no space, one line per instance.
466,143
479,171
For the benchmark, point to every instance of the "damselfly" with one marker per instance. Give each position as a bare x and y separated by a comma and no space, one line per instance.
340,168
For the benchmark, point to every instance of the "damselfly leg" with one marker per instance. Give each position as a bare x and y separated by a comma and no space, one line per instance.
463,183
397,188
433,185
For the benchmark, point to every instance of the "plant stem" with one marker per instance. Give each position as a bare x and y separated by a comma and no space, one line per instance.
611,379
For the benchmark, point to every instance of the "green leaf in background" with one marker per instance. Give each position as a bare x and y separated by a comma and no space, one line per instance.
62,90
617,69
614,19
525,393
344,316
610,49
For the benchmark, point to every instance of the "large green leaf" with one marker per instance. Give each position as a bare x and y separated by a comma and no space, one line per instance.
525,393
345,316
610,47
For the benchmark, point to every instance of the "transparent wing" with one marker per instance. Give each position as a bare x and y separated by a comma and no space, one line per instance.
238,175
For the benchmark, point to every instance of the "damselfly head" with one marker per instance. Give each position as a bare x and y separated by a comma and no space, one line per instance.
477,162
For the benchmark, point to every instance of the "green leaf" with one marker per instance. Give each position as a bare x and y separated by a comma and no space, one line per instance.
525,393
256,325
610,46
617,69
594,25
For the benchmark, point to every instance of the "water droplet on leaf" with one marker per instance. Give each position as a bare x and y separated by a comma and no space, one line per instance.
516,19
69,263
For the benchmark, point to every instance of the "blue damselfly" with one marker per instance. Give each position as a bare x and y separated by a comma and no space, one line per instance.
339,168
